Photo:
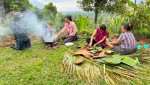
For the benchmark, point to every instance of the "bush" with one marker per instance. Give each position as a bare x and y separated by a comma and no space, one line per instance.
144,32
82,22
114,22
87,31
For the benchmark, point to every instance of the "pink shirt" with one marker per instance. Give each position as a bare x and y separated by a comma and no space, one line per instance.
100,36
71,28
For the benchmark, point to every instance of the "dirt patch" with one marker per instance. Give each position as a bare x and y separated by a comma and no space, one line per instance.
114,37
9,40
141,39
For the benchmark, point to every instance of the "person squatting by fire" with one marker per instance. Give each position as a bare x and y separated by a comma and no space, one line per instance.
71,28
19,29
47,35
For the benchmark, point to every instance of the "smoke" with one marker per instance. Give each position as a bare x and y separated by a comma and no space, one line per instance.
4,31
36,26
29,23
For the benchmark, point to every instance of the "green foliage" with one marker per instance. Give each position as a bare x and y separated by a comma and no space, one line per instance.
38,12
116,23
117,59
33,66
113,22
138,15
143,31
97,48
94,73
86,31
82,22
118,6
92,5
49,12
98,5
112,60
59,23
117,56
129,61
16,5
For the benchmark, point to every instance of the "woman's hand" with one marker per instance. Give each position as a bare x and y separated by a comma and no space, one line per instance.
90,44
58,35
113,42
116,42
67,36
54,39
95,45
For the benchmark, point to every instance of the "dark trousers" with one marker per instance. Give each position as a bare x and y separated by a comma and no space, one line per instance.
94,42
123,51
23,42
70,38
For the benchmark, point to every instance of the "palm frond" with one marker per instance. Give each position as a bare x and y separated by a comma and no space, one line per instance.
93,72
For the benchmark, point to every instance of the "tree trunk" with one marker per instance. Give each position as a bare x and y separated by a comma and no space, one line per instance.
96,16
97,3
133,18
2,11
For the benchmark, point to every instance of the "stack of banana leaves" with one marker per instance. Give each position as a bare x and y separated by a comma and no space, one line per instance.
94,51
113,70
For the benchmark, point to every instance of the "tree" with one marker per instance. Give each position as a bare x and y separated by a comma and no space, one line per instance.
50,12
17,5
38,12
2,10
98,5
118,6
92,5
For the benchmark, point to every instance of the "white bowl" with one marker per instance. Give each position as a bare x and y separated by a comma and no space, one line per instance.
69,44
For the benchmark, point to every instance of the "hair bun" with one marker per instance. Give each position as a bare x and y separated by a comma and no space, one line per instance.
130,26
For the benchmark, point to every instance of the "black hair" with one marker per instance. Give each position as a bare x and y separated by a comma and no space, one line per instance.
103,27
128,27
69,17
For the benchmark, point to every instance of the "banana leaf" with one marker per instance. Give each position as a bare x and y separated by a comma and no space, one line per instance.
78,27
112,60
117,59
99,48
129,61
118,56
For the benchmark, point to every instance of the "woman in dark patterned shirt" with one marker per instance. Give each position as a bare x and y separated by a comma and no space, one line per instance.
126,43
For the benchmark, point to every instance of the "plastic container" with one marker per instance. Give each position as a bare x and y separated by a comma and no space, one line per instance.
139,47
146,46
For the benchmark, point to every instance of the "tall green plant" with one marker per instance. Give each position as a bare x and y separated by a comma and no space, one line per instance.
82,22
139,14
115,24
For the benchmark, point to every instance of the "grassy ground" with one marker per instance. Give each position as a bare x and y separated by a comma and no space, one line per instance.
36,65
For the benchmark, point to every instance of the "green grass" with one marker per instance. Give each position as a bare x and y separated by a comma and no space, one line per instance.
36,65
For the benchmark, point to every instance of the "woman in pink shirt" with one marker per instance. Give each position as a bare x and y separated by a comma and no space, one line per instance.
71,28
101,34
